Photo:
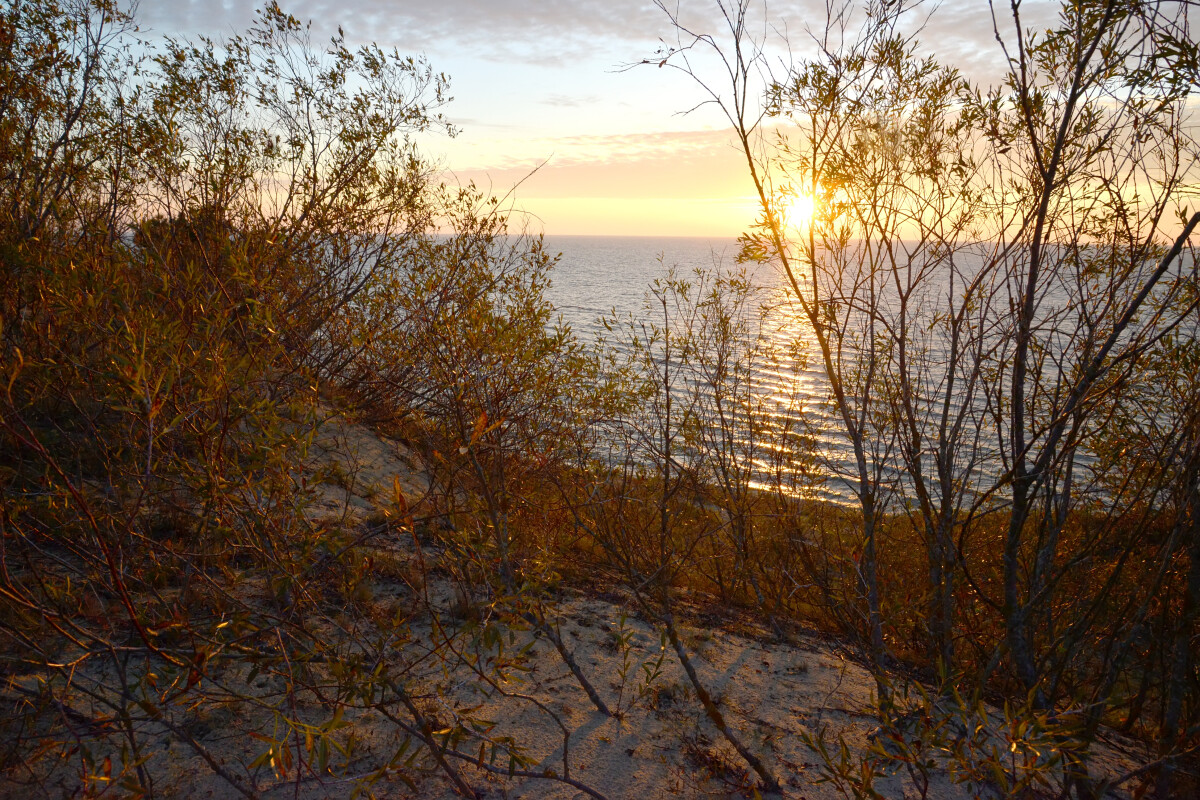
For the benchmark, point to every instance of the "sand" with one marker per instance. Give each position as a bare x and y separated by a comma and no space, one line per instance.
778,696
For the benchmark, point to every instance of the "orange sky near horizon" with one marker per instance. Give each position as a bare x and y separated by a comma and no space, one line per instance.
686,184
550,113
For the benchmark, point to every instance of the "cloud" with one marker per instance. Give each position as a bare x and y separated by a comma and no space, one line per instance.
548,29
681,147
680,167
560,100
563,32
477,122
634,146
545,31
963,35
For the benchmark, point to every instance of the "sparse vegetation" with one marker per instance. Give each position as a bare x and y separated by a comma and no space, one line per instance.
201,279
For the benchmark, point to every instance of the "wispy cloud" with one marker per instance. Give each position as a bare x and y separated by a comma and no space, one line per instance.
500,28
560,100
624,148
561,32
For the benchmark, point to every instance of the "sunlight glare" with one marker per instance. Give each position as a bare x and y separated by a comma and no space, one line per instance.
800,210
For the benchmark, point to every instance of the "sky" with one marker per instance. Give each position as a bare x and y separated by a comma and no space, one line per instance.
551,115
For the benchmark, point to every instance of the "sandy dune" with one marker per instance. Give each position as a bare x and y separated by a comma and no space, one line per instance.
522,698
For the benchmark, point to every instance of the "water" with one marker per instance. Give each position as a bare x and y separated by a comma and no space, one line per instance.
610,276
601,275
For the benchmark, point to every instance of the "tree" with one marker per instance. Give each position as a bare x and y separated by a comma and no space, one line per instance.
986,278
309,153
684,360
202,252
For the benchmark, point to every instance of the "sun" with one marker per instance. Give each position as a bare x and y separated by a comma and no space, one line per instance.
799,210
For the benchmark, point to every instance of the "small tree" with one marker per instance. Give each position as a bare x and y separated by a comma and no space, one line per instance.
194,252
681,484
988,275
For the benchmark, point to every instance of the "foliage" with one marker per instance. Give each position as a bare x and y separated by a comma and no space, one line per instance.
991,279
202,252
207,251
